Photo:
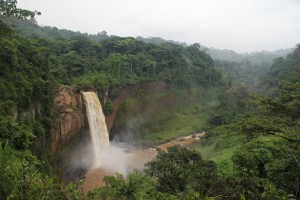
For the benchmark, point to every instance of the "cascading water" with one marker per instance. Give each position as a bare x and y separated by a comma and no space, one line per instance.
97,125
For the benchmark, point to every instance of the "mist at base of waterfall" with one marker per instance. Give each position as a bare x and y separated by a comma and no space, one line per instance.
114,159
97,151
78,159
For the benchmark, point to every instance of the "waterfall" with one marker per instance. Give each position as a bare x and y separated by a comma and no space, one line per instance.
97,125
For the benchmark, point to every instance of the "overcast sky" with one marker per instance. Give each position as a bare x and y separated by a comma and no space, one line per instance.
240,25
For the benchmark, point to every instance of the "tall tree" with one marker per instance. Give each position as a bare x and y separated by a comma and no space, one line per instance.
9,8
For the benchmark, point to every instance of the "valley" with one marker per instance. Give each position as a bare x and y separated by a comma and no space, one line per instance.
98,116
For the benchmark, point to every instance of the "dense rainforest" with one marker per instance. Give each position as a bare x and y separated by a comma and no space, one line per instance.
250,113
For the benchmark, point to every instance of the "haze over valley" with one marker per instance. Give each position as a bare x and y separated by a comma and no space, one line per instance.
149,100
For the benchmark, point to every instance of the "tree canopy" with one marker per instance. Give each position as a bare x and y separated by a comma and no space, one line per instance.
35,60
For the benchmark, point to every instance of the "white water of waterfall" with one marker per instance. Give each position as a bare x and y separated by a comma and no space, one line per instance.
97,125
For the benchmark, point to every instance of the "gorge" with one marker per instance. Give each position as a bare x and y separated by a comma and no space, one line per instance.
97,156
154,96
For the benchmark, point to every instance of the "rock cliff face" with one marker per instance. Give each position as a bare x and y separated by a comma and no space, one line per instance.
70,121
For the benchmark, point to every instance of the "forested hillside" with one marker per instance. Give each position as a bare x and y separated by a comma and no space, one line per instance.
284,69
251,148
263,57
35,60
256,138
43,60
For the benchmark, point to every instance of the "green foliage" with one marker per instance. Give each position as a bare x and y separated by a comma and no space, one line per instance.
127,60
108,107
25,81
287,69
233,102
270,193
178,173
284,170
158,41
262,58
264,167
278,116
184,174
245,73
267,163
271,153
25,85
219,148
20,178
5,30
14,134
101,81
135,186
7,108
151,117
74,191
9,8
178,167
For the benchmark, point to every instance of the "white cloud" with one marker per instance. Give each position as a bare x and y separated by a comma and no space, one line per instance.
246,25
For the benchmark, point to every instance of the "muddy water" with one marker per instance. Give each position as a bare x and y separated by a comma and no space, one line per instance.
136,160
